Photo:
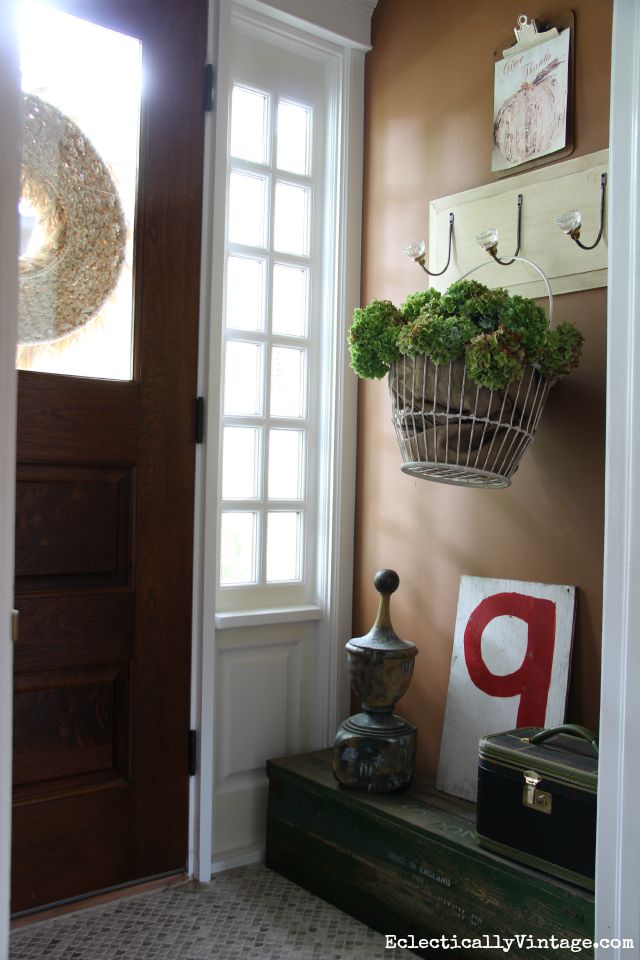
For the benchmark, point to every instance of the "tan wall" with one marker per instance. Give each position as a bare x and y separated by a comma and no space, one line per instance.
429,96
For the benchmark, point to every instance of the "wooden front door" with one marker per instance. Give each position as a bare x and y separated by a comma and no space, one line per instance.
104,529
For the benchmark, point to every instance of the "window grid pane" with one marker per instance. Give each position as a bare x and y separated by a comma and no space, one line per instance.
240,460
289,309
243,378
238,536
288,388
247,209
293,135
249,124
245,293
291,219
283,547
285,475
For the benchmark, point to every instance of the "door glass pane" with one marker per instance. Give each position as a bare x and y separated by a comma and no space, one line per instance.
240,463
285,464
243,378
287,382
238,548
283,547
81,107
291,226
247,211
249,125
290,297
245,293
294,127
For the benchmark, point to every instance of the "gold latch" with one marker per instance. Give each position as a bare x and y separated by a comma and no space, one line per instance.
532,797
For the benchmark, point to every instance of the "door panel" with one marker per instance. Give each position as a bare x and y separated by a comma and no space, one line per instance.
70,723
104,528
74,526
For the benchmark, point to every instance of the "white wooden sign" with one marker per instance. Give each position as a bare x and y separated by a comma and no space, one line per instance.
509,668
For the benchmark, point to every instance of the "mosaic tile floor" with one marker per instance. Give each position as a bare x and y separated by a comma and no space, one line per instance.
249,913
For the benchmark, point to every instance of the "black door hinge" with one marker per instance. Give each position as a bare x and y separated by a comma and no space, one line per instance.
209,87
193,752
199,419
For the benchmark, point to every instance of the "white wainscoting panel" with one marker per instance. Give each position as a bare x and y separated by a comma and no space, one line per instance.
262,712
260,706
239,822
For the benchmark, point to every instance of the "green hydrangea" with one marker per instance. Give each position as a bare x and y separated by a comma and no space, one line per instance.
459,294
372,339
443,339
485,311
562,351
477,303
528,320
416,302
496,333
495,360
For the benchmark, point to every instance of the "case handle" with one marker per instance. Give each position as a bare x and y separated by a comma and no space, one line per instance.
571,728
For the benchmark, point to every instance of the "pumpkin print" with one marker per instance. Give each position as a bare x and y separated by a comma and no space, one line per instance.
528,121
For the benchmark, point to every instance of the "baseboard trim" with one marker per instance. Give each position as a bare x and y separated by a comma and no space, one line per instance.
231,860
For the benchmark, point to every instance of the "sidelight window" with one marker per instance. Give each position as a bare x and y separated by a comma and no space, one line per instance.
269,328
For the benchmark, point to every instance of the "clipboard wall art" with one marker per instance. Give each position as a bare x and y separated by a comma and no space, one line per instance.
533,96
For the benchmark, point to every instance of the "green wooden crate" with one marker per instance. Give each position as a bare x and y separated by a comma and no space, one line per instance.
409,864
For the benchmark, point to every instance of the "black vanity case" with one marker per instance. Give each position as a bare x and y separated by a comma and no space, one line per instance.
537,799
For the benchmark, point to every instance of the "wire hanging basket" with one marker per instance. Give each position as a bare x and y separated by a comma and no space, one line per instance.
451,430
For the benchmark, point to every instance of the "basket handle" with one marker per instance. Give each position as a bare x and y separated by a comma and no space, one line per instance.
543,276
571,728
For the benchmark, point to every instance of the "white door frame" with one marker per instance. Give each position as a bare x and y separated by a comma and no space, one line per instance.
9,187
618,845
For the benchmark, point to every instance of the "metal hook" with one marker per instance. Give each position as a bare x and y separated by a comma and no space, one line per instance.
488,239
571,222
417,252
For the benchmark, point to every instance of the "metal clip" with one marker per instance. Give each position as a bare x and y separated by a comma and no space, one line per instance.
527,36
532,797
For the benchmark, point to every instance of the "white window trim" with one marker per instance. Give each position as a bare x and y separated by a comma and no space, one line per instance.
347,22
231,619
331,693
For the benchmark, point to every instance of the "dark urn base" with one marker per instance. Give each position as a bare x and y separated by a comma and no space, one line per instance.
374,752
